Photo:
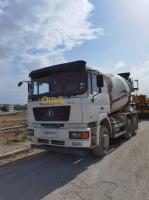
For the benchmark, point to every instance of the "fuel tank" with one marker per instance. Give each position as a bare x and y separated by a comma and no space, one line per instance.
119,88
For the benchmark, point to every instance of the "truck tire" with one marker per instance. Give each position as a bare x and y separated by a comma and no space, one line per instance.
103,147
135,126
129,130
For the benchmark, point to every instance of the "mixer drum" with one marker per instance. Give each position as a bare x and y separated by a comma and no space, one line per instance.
119,92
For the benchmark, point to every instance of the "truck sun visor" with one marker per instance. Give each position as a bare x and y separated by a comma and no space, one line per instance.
71,66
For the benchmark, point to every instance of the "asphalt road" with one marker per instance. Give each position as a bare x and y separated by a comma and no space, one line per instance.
123,174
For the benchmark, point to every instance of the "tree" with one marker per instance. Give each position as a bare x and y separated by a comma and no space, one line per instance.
5,108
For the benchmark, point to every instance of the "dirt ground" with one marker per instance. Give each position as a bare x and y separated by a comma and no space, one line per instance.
13,119
13,137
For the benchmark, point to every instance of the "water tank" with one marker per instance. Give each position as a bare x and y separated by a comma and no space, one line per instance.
119,92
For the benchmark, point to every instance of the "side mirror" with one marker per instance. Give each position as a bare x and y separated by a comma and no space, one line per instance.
100,82
19,84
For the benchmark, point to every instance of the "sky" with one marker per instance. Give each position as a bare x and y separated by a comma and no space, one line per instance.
110,35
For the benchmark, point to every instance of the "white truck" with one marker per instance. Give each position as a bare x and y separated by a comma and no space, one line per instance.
75,107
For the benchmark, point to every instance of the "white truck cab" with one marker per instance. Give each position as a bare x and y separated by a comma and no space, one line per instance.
72,106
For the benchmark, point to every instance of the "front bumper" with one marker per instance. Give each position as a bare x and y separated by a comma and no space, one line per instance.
67,150
58,137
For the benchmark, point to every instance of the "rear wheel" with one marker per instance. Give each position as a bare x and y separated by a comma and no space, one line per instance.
135,125
129,130
103,147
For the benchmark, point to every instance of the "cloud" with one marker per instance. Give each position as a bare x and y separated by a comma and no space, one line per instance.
37,33
120,65
45,27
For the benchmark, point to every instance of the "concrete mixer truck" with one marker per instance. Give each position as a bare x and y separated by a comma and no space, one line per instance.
74,107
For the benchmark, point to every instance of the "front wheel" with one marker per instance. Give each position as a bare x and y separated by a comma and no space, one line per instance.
104,139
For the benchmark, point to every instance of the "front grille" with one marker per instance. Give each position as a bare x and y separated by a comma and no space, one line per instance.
43,141
58,113
52,125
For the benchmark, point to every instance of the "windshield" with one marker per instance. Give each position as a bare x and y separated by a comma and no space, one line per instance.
60,84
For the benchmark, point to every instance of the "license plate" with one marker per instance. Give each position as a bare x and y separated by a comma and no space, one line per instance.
51,133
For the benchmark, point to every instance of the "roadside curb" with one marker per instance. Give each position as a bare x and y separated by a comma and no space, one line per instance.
30,155
13,153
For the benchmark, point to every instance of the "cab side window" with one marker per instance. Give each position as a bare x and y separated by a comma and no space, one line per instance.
95,89
89,84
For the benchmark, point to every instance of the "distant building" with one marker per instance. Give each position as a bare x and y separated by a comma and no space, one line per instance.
10,108
6,108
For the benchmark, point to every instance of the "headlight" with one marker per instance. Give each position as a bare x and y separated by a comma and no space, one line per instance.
30,132
78,135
